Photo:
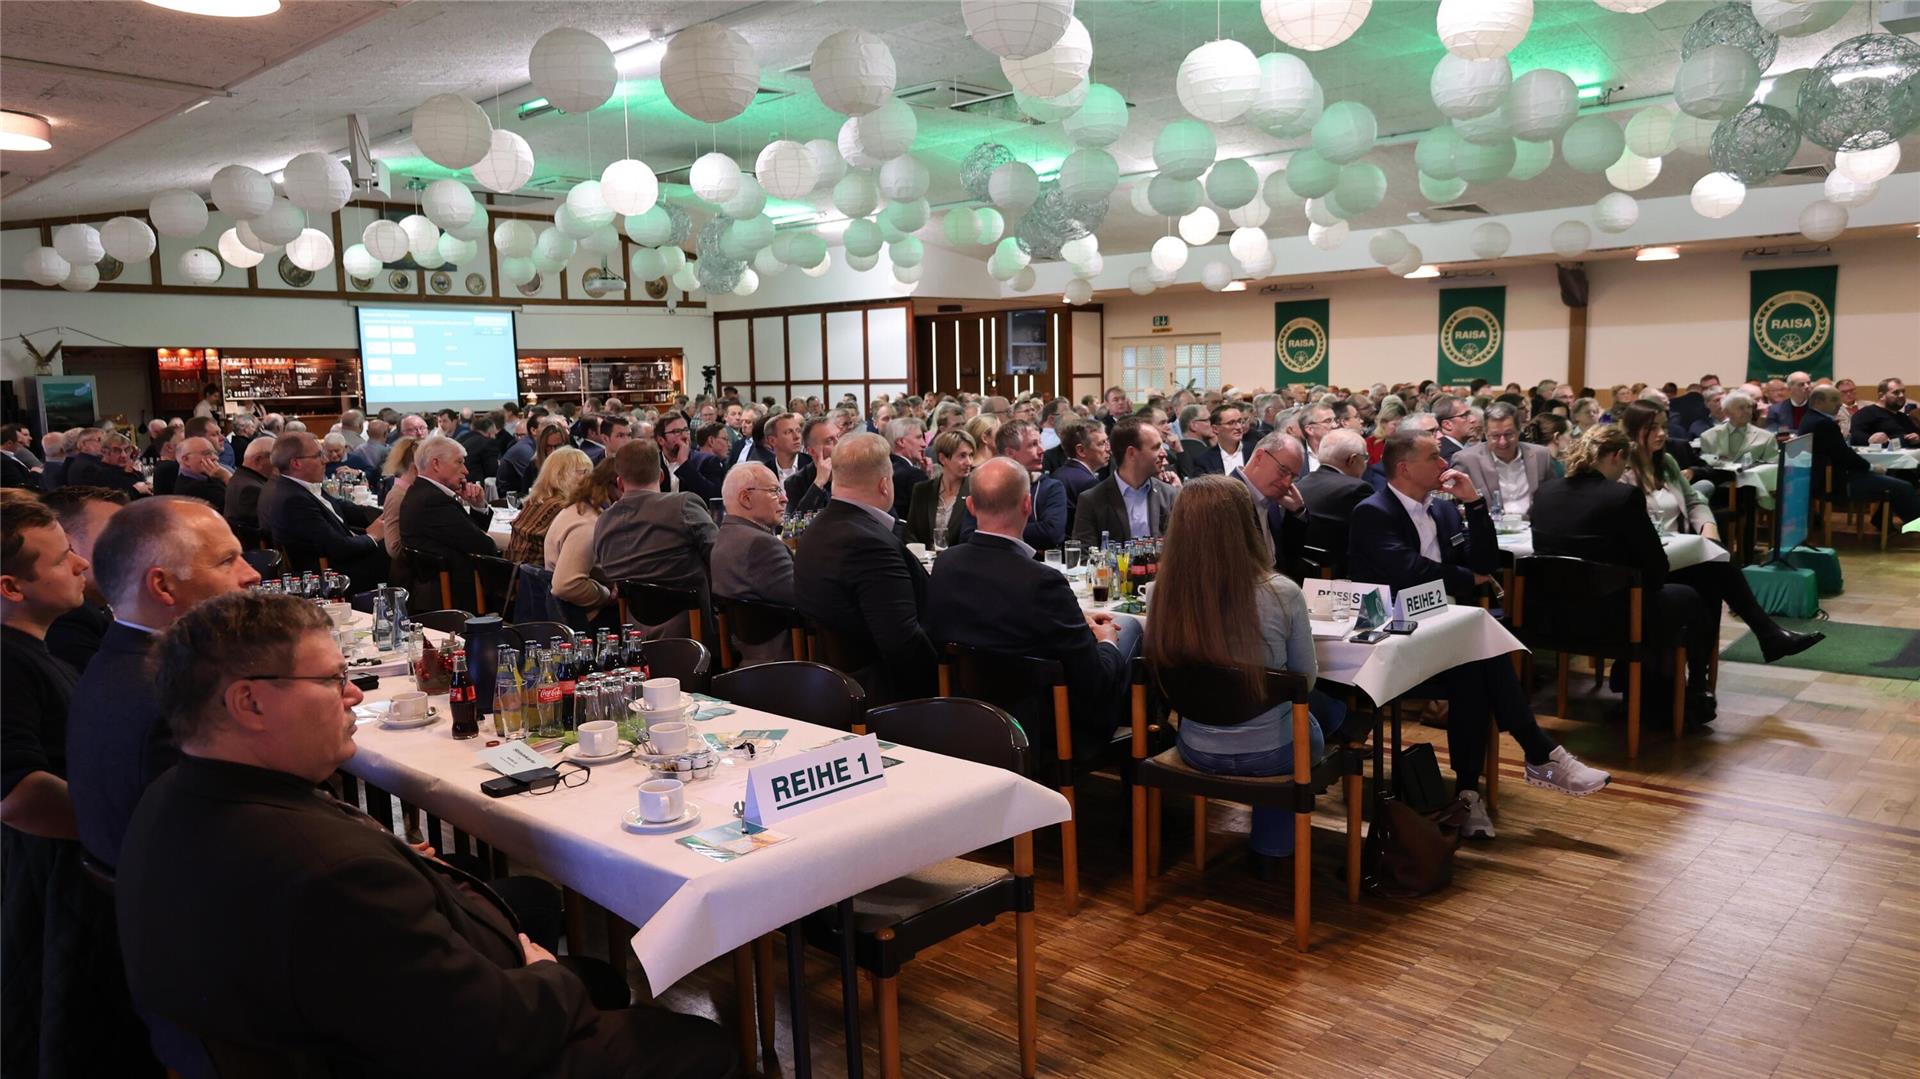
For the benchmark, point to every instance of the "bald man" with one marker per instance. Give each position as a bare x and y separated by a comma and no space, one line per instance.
249,481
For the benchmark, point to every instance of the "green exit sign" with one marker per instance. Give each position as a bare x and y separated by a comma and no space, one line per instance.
1159,320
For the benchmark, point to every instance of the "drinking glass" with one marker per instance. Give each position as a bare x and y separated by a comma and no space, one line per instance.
1075,554
513,502
1056,557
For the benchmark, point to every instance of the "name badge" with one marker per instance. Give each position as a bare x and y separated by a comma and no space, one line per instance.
1420,599
835,772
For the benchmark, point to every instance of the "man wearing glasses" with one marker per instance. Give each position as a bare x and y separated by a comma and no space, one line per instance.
749,562
1507,470
1228,453
311,524
235,843
1271,474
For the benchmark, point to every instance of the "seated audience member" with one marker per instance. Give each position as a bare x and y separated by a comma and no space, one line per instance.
1038,614
1506,469
568,549
1272,476
235,843
200,473
749,561
16,458
1885,423
1455,419
1831,453
114,468
1117,407
1583,413
1593,516
371,453
1401,539
675,436
1133,502
552,489
83,457
312,525
516,471
1230,448
75,636
853,576
1088,450
399,473
908,436
1738,437
1785,414
662,539
333,451
1196,437
1332,490
158,558
249,482
1218,602
483,451
444,516
1019,441
1552,432
53,446
776,442
810,489
1314,422
932,508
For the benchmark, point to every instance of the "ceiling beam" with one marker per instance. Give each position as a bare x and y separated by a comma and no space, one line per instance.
70,71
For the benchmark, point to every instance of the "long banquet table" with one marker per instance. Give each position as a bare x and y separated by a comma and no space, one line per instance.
1683,549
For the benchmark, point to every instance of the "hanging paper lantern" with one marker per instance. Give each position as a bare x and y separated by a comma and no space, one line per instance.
628,186
81,279
1863,94
1218,80
1247,244
1570,239
1731,24
1325,211
1530,159
359,262
1629,7
1169,253
242,193
1230,184
507,165
1078,291
451,131
1592,144
1615,212
904,179
458,251
1081,251
199,266
1360,188
1716,195
1798,18
862,237
1541,105
742,239
1650,132
709,73
311,250
1693,134
1782,91
715,177
603,241
1200,226
1443,191
1489,240
423,237
385,240
514,239
848,143
1754,144
1015,29
906,216
907,252
45,266
1089,175
1436,153
127,239
1483,29
1633,172
1715,82
448,203
863,263
960,227
748,284
1311,175
1327,237
1048,109
886,132
1101,119
317,183
553,250
1259,266
1868,166
1253,215
1288,101
1388,246
1216,275
236,252
1279,195
1842,190
1822,221
1054,70
1487,129
990,223
1313,25
853,72
1407,263
748,202
828,165
476,228
243,232
686,280
1345,132
178,213
1013,187
518,271
1183,149
281,223
1484,164
79,244
785,169
857,196
1169,197
588,206
1464,88
645,264
574,70
1140,281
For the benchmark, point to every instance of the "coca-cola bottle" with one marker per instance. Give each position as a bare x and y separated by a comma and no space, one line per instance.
463,698
635,656
609,659
567,672
547,696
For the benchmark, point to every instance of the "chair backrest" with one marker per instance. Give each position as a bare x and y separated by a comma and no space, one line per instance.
956,726
1573,601
656,604
430,577
753,625
497,577
810,692
520,634
447,621
682,658
533,594
1215,695
97,873
831,647
265,561
1020,685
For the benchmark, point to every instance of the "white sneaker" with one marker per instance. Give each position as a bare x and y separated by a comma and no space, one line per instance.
1479,825
1564,773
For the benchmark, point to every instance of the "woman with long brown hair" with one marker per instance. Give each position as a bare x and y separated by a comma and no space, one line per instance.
551,437
1218,601
399,470
568,547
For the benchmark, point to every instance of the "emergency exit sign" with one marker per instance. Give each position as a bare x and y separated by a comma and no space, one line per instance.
1159,322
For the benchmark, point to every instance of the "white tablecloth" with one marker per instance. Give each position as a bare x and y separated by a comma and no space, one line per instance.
1682,550
1884,460
690,909
501,529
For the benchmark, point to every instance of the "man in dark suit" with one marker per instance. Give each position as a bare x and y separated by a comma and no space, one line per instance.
810,489
1047,527
1037,615
483,452
854,576
1830,451
234,840
311,525
1133,502
1088,449
74,637
696,468
1399,539
113,468
1455,418
1786,416
446,517
201,476
1230,448
1886,424
17,464
249,482
907,436
1196,435
1332,490
514,474
776,443
1118,407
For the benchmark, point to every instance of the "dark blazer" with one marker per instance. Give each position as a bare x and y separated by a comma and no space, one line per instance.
1383,548
1871,420
53,474
1211,462
86,470
243,497
1449,446
1076,477
702,474
1102,509
1046,526
1592,517
208,489
483,456
803,496
922,507
166,474
435,523
220,851
1780,416
1376,476
595,451
303,526
1037,615
74,637
117,740
514,474
855,576
906,476
14,472
1191,451
1331,496
1829,449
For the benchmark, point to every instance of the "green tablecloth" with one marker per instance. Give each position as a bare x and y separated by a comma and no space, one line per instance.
1785,591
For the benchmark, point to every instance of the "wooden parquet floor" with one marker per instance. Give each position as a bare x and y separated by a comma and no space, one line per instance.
1744,903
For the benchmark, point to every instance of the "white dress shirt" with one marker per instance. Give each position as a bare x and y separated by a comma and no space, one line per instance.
1516,494
1233,462
314,488
1422,524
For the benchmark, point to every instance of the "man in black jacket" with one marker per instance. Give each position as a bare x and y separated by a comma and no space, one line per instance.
310,525
446,517
235,843
907,435
855,576
1046,528
1886,424
242,508
810,489
201,476
1088,449
1333,490
1830,451
84,512
113,468
483,450
694,468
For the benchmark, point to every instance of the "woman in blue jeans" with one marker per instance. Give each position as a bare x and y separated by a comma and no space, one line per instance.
1218,601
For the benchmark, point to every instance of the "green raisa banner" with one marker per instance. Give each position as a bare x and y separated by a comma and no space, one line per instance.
1790,327
1300,340
1473,330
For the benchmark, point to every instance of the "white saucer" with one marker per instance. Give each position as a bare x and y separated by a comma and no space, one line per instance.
576,754
630,820
688,706
382,712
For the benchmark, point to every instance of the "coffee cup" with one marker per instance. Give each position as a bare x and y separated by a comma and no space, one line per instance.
661,694
670,738
599,737
408,705
662,800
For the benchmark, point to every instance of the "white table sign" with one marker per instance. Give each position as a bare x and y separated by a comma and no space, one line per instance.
1336,608
832,773
1411,603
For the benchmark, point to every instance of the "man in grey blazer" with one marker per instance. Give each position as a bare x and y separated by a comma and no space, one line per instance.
650,535
1504,466
749,561
1132,502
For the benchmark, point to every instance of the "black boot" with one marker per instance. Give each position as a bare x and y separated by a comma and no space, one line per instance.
1782,643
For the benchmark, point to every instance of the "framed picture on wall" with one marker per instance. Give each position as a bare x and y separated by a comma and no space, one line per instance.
66,401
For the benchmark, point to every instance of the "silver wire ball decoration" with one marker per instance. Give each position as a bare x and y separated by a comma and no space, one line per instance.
1863,94
1754,144
717,273
1731,24
979,165
682,226
1054,219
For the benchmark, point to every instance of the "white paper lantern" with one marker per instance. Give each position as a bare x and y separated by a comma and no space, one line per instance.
1443,191
1101,118
1715,82
1798,18
1388,246
1633,172
281,223
907,252
317,183
1310,175
903,179
1436,154
518,270
45,266
1289,101
709,72
1247,244
1570,239
1487,129
1541,105
1080,250
828,165
1822,221
1048,109
1231,184
1629,7
1489,240
852,72
863,263
1717,194
127,239
81,278
1169,253
1184,149
178,213
423,237
1345,132
1615,212
857,196
785,169
1406,263
456,250
199,266
588,207
1868,166
1361,187
514,239
1054,70
1140,197
1327,237
905,216
743,239
572,226
311,250
1218,80
451,131
553,250
603,241
1693,134
1168,197
507,165
629,187
574,70
1312,25
236,252
685,280
1089,266
886,132
1200,227
386,240
715,177
647,265
748,202
1483,29
1216,275
747,284
1078,291
359,262
1140,281
1253,215
1016,28
79,244
1013,187
674,257
1592,144
959,226
242,193
447,203
820,268
1088,175
1464,88
1324,211
650,229
1484,164
1650,132
243,231
1843,190
476,228
848,144
1530,159
991,225
1259,266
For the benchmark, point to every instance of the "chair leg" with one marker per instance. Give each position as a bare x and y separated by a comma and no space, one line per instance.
1633,709
1302,878
1070,853
1679,693
763,977
1199,834
1153,831
574,907
1023,965
743,998
1353,789
1599,671
1139,800
886,1004
1560,686
618,933
1493,764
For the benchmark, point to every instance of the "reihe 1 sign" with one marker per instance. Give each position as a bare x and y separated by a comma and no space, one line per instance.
832,773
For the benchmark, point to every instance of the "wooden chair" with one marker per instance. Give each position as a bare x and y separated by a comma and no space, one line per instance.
522,634
809,692
493,581
447,621
428,572
1218,697
682,658
657,604
1833,496
756,624
903,917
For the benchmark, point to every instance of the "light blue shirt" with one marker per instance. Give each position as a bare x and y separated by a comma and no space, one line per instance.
1138,524
885,518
